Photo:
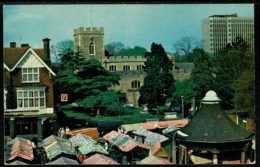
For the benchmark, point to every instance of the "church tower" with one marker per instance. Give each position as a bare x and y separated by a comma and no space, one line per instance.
89,42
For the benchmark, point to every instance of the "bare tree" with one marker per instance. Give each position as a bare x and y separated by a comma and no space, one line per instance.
114,47
62,48
184,47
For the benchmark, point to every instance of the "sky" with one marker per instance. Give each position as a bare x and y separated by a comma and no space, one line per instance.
131,24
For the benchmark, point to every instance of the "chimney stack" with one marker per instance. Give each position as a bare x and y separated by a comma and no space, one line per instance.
12,44
25,45
46,48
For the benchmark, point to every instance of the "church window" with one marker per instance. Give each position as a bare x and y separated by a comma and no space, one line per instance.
112,68
91,48
135,84
126,67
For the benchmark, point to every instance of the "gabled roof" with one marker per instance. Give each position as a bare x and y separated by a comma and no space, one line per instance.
20,148
99,159
123,142
87,145
13,56
64,160
151,138
52,138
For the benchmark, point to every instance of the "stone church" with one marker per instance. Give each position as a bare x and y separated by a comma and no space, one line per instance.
90,43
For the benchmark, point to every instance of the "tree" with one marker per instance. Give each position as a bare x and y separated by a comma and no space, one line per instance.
231,62
88,83
65,47
137,50
182,88
184,47
202,75
158,82
113,48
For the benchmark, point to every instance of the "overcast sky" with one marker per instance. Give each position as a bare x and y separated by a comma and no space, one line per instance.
133,25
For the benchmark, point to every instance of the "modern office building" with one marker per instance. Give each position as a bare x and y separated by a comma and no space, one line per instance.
219,30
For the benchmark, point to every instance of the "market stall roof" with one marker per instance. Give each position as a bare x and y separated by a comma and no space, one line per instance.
123,142
64,160
99,159
153,125
87,144
20,147
213,126
56,148
17,162
49,140
151,159
150,137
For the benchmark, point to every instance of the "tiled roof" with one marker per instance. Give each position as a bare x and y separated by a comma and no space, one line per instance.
20,148
154,125
154,160
123,142
12,55
213,125
99,159
164,124
87,145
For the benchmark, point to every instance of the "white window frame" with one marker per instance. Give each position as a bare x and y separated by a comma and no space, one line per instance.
31,98
35,75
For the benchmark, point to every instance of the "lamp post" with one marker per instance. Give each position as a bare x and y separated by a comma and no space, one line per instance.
182,106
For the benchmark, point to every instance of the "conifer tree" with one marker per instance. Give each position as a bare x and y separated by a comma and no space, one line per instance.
159,82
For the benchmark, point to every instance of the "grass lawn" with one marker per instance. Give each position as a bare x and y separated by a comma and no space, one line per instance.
134,117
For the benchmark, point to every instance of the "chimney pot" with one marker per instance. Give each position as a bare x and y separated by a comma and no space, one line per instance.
12,44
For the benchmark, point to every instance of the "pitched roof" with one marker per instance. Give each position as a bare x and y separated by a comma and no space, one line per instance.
64,160
57,148
151,159
151,137
123,142
87,145
99,159
52,138
213,126
11,56
20,147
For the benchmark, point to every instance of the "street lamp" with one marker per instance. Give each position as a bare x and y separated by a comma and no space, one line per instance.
182,106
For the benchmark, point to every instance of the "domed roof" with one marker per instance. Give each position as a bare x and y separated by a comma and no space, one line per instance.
211,97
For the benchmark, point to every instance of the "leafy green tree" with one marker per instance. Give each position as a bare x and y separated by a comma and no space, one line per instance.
137,50
159,82
202,76
88,83
230,63
182,88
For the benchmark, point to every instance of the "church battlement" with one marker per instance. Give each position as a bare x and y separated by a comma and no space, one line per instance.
89,30
126,58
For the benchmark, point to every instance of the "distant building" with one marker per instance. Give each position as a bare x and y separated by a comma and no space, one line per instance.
90,43
219,30
28,89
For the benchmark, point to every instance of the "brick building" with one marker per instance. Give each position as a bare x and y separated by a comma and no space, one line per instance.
28,89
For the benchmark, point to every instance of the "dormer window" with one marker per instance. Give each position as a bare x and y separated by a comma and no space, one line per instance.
30,74
91,48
